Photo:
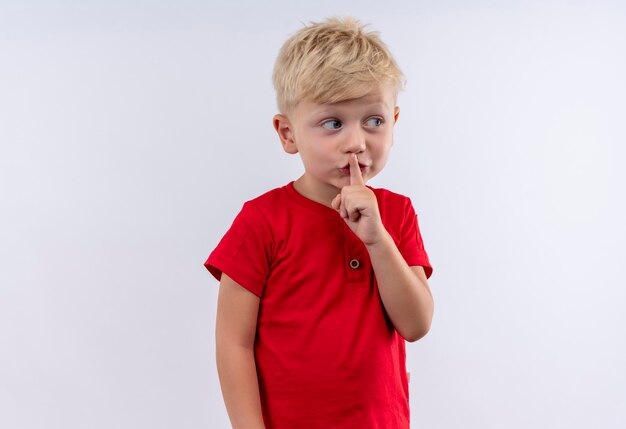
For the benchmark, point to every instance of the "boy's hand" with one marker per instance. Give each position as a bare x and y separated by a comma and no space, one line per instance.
358,206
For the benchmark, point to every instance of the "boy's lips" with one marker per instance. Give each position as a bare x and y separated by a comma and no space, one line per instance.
346,169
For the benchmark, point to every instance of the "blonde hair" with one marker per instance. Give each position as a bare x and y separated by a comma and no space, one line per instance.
332,61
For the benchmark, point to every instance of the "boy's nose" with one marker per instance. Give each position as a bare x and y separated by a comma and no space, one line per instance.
355,142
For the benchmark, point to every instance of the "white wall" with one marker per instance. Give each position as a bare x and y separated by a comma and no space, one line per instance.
131,132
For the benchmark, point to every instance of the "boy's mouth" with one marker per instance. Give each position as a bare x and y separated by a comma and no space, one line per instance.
346,169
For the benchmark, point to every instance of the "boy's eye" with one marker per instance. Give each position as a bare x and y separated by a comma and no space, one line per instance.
334,124
377,121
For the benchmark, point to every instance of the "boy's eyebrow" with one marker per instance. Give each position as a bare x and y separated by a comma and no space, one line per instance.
330,107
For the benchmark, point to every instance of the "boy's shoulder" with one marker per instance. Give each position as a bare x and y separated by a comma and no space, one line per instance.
268,199
265,207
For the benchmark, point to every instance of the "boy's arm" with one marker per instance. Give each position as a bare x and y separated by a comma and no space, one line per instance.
403,290
237,311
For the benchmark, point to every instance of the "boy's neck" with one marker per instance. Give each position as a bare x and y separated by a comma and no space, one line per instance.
323,194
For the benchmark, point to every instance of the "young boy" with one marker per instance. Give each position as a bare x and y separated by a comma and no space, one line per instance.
322,280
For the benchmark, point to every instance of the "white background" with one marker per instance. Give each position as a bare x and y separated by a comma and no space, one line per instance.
132,132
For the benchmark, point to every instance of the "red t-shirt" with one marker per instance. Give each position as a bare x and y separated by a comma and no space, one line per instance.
327,354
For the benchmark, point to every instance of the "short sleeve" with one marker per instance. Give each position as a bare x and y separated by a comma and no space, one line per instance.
244,252
411,245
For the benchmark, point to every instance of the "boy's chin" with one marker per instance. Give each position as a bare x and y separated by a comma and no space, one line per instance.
345,181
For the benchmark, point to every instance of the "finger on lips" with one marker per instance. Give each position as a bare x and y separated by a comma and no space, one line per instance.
356,178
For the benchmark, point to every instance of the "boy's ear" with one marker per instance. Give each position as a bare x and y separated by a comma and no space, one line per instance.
396,113
284,128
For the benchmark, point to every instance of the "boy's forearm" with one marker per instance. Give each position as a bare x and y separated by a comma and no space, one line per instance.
407,299
240,387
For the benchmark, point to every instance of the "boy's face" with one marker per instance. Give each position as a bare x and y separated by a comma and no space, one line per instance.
326,134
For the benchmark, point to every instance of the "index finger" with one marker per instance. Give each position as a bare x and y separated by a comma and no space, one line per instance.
356,178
